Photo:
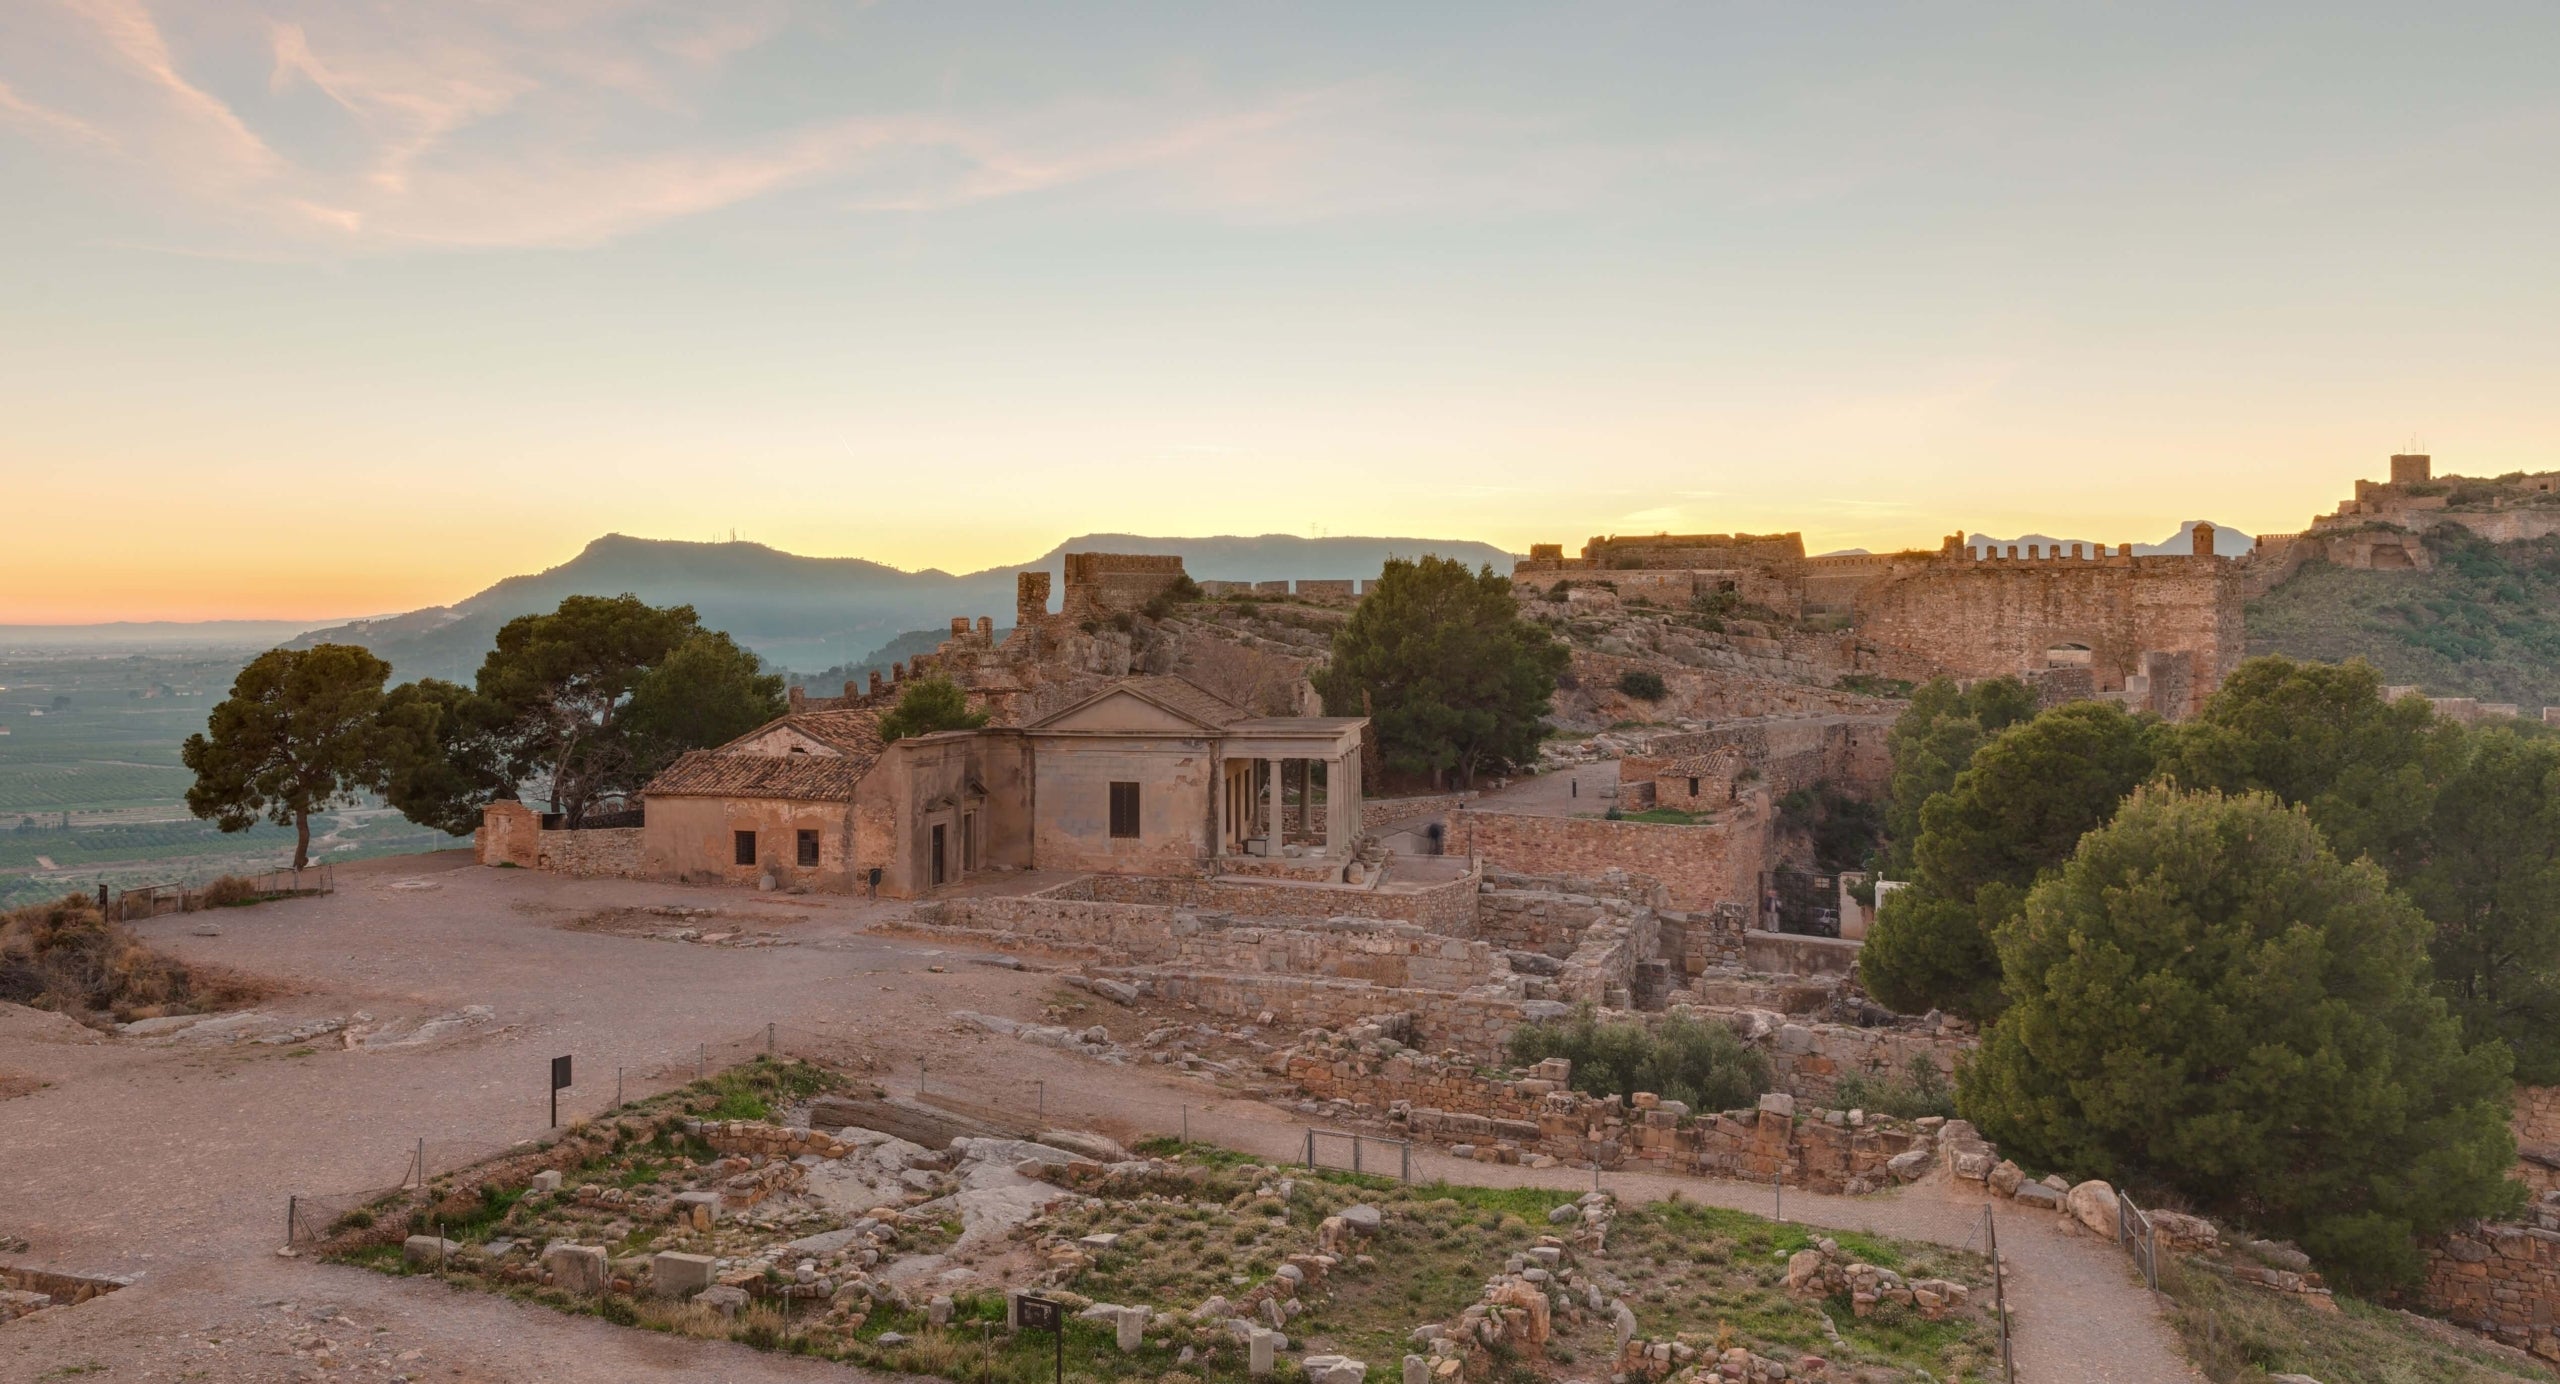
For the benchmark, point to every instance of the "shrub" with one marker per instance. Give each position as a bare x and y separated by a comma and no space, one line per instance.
1643,684
1921,1091
1677,1058
229,891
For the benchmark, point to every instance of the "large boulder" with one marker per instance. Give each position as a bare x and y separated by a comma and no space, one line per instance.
2093,1203
2039,1196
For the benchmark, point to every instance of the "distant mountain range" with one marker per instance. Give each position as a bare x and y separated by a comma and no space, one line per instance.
818,612
2227,541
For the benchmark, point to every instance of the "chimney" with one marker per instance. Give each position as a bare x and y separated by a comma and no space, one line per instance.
798,698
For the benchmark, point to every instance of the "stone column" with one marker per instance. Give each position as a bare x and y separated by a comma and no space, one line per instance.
1271,794
1218,811
1332,802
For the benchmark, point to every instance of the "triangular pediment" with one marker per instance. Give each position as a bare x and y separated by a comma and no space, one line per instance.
1122,712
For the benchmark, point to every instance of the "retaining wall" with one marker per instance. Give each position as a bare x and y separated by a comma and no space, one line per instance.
1698,867
2503,1280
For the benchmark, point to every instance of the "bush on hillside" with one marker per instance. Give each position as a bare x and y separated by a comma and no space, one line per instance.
1677,1058
1643,684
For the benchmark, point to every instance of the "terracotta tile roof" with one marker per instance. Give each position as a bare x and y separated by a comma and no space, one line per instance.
802,777
729,772
1706,764
856,733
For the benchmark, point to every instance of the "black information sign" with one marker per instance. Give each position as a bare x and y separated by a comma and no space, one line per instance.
1044,1314
559,1081
1039,1313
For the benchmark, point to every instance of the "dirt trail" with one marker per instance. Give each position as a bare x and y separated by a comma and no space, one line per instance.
173,1164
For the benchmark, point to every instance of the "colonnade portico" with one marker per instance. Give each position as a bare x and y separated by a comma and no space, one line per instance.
1258,759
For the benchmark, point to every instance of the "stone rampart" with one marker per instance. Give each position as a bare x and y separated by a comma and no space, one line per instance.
1699,867
2003,615
2537,1130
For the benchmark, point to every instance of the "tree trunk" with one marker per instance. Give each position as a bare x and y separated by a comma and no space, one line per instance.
301,839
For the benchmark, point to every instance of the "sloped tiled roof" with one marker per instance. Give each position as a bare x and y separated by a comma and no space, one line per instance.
1705,764
730,772
853,733
803,777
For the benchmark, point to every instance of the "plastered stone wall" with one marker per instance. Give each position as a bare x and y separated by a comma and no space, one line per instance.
1698,867
695,840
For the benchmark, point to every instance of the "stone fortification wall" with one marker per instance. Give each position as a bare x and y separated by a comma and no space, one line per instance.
1986,618
1698,867
1107,583
1546,921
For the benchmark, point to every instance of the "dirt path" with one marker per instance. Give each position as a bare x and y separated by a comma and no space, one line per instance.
173,1164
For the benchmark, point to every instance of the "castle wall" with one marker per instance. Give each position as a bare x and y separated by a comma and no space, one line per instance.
1987,618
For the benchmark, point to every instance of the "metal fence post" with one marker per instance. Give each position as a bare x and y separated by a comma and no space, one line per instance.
1778,1188
1355,1153
1404,1161
291,1205
1999,1293
617,1088
768,1040
1311,1146
1186,1124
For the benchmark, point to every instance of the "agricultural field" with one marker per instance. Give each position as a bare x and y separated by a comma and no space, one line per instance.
92,790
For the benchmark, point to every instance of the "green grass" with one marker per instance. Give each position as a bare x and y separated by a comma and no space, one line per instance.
2238,1334
1668,817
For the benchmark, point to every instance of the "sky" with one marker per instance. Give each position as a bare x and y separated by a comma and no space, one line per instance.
315,309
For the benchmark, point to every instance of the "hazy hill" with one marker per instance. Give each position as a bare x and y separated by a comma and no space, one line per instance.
2227,541
2484,623
817,612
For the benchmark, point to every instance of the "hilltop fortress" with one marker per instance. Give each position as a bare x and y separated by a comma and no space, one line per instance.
2157,632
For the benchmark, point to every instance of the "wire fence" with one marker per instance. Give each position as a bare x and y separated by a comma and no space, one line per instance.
151,900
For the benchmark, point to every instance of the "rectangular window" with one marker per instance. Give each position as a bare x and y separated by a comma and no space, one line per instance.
1693,788
746,847
808,848
1124,811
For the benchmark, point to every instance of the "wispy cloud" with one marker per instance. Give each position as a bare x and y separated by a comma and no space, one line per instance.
365,125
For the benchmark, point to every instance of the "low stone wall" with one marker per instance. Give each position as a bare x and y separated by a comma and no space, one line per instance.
1783,953
605,851
1378,952
1539,1118
1384,812
1698,867
1542,920
1808,1059
2502,1280
1448,907
1602,968
1476,1024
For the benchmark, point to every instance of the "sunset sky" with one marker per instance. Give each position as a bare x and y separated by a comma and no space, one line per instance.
325,309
